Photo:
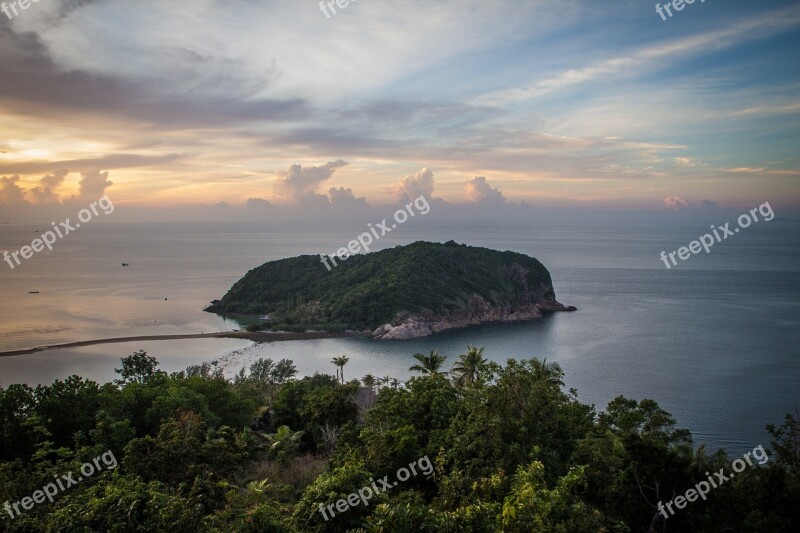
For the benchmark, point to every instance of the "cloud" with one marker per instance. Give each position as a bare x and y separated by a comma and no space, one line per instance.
679,203
45,192
258,204
764,171
300,182
93,185
709,205
477,190
106,162
654,56
676,203
10,192
344,198
411,187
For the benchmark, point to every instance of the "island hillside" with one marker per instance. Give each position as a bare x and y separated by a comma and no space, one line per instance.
399,293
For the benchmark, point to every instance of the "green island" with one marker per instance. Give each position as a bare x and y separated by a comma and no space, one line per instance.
399,293
493,448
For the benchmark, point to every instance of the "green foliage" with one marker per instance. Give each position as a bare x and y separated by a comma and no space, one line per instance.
17,422
265,518
311,403
428,364
367,291
511,451
469,367
266,372
283,443
531,506
327,489
408,423
340,362
127,503
786,443
137,368
186,448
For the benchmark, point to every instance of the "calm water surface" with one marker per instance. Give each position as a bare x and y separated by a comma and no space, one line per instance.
715,342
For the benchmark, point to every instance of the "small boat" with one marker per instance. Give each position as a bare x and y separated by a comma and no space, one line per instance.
33,292
126,264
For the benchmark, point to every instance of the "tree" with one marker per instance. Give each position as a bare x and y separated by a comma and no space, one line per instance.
137,367
469,366
530,503
325,491
204,370
17,409
429,364
549,373
284,371
786,443
369,381
284,443
340,362
261,370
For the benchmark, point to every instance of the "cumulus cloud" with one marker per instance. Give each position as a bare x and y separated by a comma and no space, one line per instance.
679,203
411,187
10,192
93,185
341,197
676,203
45,193
708,205
258,204
299,183
478,190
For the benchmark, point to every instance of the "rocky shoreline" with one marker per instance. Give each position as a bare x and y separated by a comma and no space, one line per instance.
411,326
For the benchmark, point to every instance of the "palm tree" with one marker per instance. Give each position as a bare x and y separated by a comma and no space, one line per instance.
340,362
550,373
259,487
368,381
429,364
468,368
284,443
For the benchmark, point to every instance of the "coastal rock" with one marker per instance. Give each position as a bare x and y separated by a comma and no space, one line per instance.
412,326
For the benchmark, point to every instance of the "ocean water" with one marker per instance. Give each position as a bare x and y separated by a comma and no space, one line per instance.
715,341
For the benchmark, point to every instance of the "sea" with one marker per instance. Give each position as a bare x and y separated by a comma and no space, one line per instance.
715,341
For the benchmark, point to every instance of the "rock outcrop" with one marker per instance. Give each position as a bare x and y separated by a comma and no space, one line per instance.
411,326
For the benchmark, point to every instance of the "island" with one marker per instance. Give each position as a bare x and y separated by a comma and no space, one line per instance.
403,292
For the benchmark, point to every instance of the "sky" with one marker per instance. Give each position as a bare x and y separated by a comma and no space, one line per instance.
246,108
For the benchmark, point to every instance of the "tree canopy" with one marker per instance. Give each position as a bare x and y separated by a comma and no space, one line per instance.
509,450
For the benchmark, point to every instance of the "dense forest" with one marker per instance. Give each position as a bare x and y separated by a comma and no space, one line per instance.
466,445
369,290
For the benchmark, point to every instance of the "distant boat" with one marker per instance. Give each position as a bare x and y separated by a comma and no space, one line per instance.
126,264
33,292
